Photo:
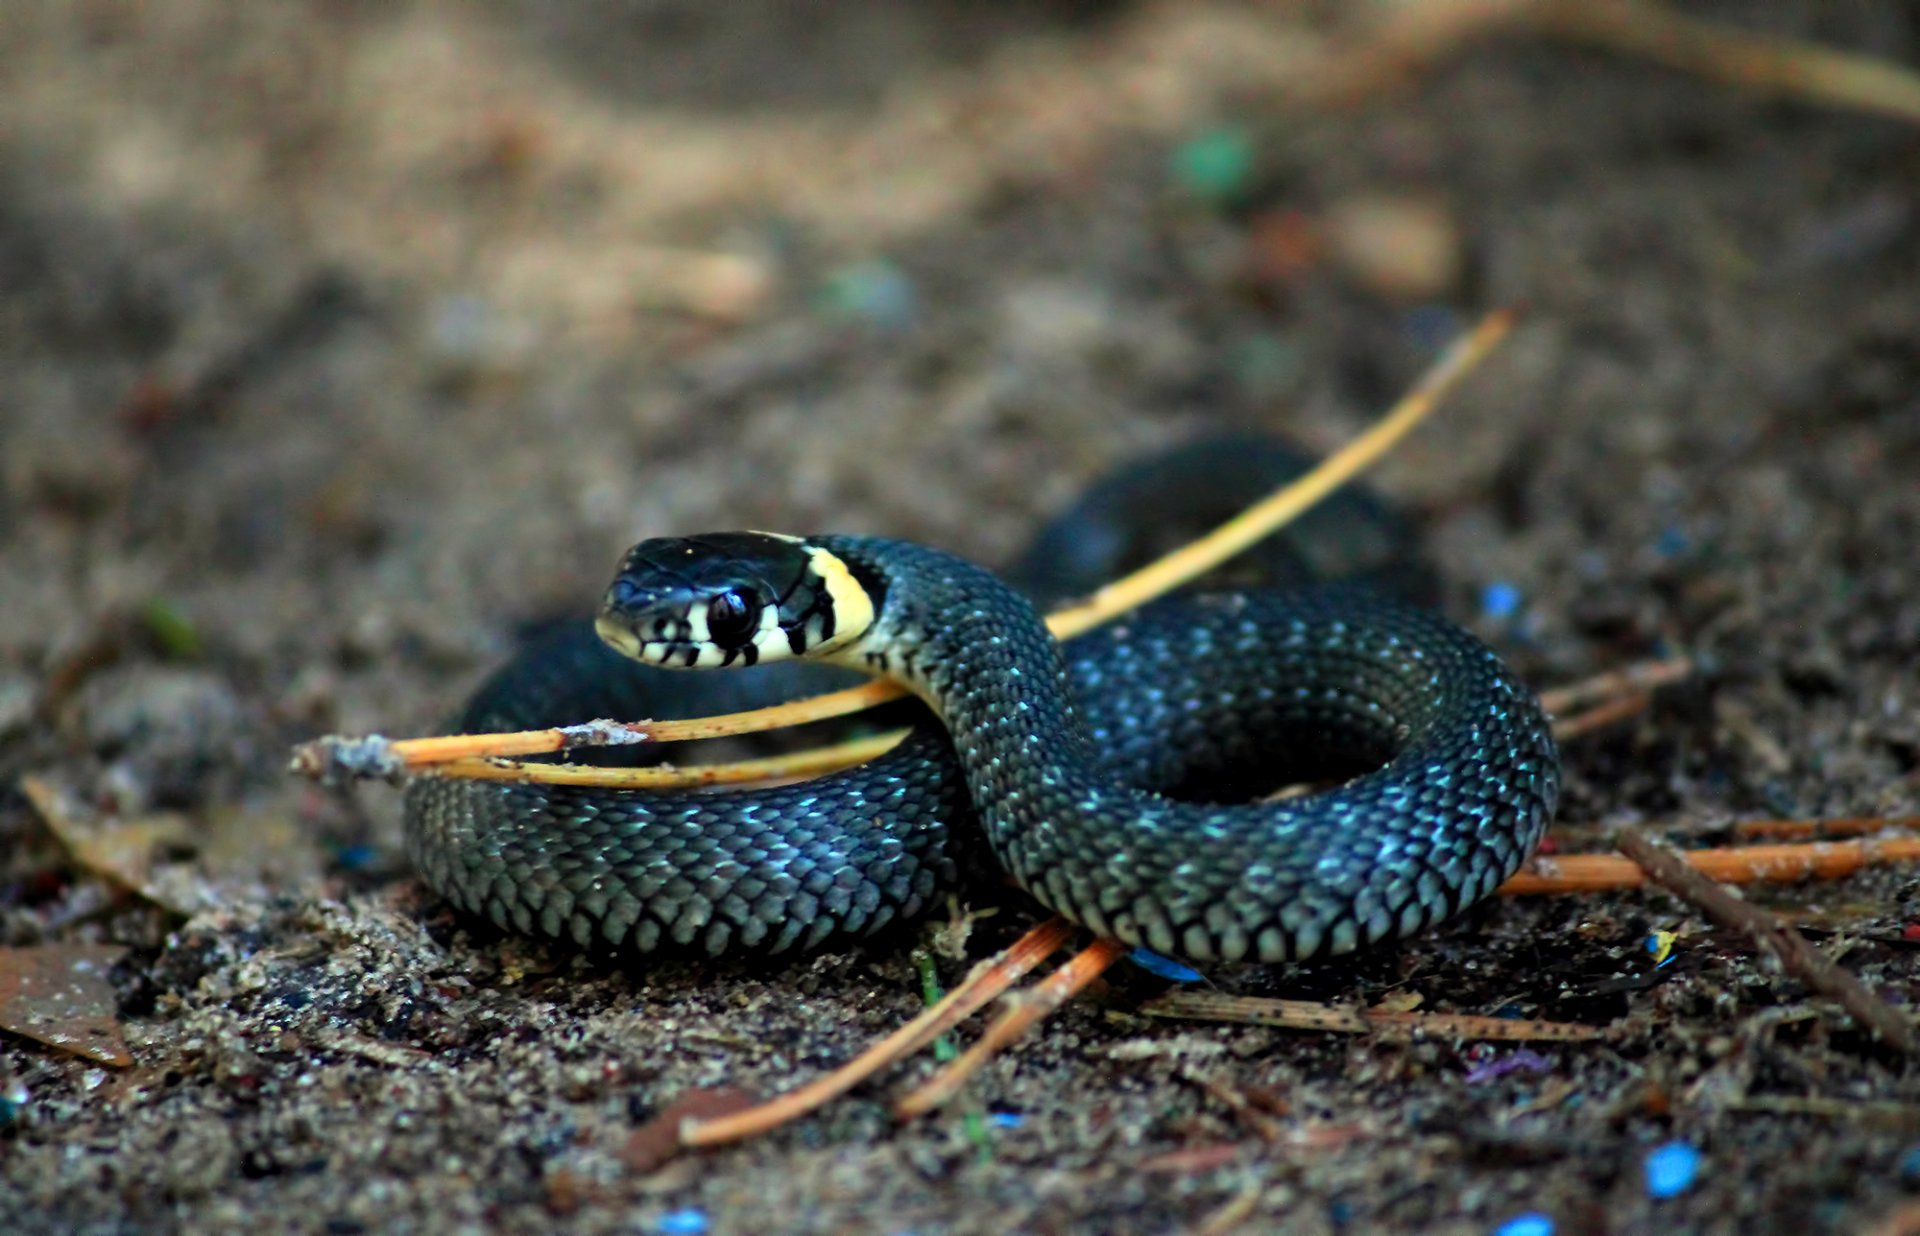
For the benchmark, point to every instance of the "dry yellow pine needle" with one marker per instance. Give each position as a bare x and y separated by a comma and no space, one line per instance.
1154,580
791,767
1191,561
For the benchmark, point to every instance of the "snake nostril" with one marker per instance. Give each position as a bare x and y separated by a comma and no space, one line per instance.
624,593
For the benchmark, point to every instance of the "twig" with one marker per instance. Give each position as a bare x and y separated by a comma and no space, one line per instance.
988,980
1025,1010
1407,40
1308,1015
1414,37
1771,864
1791,949
1264,1127
1882,1114
1601,715
1613,696
1756,62
1231,1213
1627,681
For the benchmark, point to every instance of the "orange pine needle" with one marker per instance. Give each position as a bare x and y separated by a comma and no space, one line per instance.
1024,1011
1781,864
988,980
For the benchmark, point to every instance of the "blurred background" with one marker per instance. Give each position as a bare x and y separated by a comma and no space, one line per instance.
343,340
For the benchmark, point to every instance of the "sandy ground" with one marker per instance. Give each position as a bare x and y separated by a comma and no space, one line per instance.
342,340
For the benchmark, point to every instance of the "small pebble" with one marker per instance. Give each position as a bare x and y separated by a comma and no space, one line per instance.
1405,249
1671,1170
1672,542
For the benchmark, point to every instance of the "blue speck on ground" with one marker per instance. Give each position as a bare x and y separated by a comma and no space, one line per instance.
1532,1223
356,857
1500,601
691,1221
1671,1169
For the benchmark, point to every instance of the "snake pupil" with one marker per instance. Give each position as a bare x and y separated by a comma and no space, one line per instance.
731,621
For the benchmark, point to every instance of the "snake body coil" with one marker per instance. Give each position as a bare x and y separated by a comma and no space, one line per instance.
1103,776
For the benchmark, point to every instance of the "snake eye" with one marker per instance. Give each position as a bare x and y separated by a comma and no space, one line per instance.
731,620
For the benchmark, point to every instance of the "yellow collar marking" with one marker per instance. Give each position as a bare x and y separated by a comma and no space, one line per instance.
852,606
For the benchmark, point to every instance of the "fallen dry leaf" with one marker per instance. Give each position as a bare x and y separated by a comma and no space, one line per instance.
58,994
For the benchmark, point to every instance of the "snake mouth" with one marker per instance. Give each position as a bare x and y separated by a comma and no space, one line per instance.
675,644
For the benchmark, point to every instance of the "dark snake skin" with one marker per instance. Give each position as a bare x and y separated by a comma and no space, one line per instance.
1082,768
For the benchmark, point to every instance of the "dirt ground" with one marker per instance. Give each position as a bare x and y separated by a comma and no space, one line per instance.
343,340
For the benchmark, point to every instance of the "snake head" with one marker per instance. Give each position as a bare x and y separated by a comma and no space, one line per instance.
731,598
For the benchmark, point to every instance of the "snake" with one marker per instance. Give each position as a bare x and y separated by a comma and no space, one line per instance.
1119,778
